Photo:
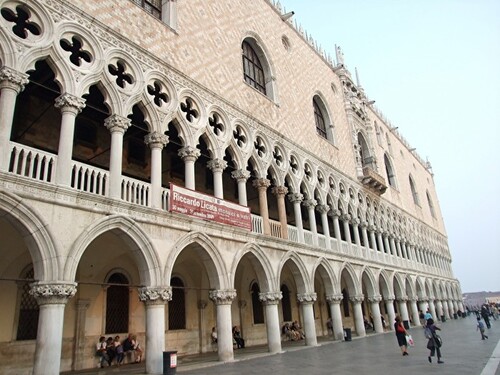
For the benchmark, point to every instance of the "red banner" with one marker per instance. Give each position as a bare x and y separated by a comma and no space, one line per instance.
207,207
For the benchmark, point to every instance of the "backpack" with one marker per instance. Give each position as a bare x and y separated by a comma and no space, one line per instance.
428,333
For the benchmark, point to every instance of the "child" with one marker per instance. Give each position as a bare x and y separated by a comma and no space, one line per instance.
480,327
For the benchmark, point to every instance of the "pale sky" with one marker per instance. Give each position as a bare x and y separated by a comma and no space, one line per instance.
433,68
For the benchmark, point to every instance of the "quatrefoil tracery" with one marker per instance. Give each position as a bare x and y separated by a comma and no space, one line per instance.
121,76
240,137
189,109
22,22
216,125
159,97
77,53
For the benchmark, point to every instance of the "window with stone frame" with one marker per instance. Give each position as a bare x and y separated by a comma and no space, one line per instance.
257,308
414,193
153,7
391,178
27,325
177,306
319,120
431,205
253,71
117,304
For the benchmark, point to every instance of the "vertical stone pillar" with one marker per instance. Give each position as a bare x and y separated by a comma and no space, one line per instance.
78,353
217,166
156,141
241,176
117,125
403,310
334,302
270,300
398,248
169,13
355,229
262,184
323,210
296,199
391,314
422,305
392,245
223,300
432,309
310,204
359,322
189,155
380,243
375,308
414,311
387,246
336,227
373,240
155,299
202,304
347,233
405,249
446,308
52,298
280,192
306,303
439,310
70,107
12,83
364,234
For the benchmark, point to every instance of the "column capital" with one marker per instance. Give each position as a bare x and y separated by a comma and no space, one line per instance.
413,298
279,190
295,197
402,299
222,297
423,299
189,153
364,224
334,298
70,103
217,165
306,298
155,295
115,123
390,298
156,139
10,78
310,203
356,221
375,299
335,213
270,298
322,208
357,299
372,228
240,174
52,293
261,183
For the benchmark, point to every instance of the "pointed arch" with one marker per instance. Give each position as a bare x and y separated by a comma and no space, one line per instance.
299,271
268,281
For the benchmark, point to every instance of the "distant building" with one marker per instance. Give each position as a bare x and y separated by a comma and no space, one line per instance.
480,298
171,166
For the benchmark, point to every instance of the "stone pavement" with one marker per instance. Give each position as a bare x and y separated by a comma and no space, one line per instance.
463,353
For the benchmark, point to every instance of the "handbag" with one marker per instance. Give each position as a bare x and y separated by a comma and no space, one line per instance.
437,340
409,340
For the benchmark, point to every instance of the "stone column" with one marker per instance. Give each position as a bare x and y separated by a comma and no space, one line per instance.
306,303
323,210
355,229
78,353
373,240
262,184
189,155
364,234
345,221
270,300
398,248
391,314
387,246
12,83
310,204
223,300
455,306
439,310
380,243
70,107
52,298
446,309
375,308
296,199
414,311
217,166
334,302
155,299
359,322
335,214
405,250
432,309
280,192
422,305
392,246
117,125
403,310
202,304
156,141
241,176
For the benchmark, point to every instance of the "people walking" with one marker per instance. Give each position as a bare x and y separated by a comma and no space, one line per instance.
480,328
401,335
434,340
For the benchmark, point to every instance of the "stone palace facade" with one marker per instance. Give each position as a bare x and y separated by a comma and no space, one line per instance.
295,200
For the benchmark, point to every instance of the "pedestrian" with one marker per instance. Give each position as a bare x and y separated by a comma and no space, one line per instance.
401,335
480,327
485,313
329,326
421,316
427,316
434,341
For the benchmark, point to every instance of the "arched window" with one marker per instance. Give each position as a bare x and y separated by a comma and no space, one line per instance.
27,324
389,146
117,304
253,70
364,152
322,119
378,133
258,310
391,178
414,191
177,306
286,305
431,205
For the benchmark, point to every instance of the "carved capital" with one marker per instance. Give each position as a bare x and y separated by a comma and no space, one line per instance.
12,79
217,165
222,297
356,221
54,293
279,190
118,124
156,139
402,299
189,153
261,183
270,298
155,295
306,298
335,213
334,298
357,299
310,203
375,299
295,197
346,217
70,103
240,175
322,208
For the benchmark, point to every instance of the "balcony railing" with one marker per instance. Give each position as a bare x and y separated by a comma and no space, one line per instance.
32,163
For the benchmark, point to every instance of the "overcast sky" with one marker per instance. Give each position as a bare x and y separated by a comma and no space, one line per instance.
433,68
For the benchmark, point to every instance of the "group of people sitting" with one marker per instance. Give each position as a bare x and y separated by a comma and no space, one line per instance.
237,339
293,331
109,350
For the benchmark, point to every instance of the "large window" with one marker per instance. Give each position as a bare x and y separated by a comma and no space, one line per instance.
117,304
27,325
431,205
252,68
319,119
414,191
151,6
391,178
258,310
286,305
177,306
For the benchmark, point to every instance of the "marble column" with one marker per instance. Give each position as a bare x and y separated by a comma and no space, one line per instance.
241,176
155,299
364,234
296,199
376,315
189,155
306,303
323,210
117,125
310,204
335,214
380,242
51,298
355,229
270,300
392,245
334,301
261,185
217,166
12,83
359,322
391,314
81,317
202,332
403,309
373,240
387,245
156,141
439,310
398,248
414,311
432,309
70,107
423,305
347,233
280,192
223,300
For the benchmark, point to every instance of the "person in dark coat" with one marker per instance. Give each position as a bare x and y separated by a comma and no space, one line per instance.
434,342
401,335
